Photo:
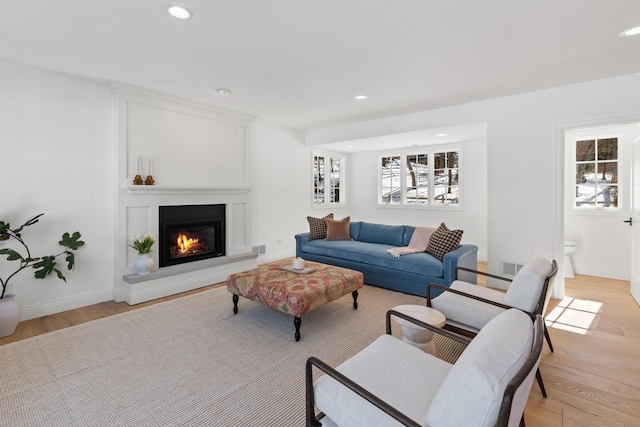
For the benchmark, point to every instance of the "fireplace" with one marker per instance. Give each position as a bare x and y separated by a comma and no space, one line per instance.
191,233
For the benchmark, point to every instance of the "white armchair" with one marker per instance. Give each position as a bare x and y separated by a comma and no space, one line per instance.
468,307
390,382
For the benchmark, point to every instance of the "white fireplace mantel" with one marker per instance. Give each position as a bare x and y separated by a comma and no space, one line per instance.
197,154
189,189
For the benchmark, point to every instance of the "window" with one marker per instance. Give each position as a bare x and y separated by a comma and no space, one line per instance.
422,178
328,179
596,184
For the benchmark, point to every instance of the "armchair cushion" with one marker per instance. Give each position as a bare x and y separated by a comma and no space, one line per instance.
472,392
405,377
467,313
525,289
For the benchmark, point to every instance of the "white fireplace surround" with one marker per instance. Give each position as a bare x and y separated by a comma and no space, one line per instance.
199,155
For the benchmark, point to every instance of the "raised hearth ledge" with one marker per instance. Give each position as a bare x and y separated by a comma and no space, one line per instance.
187,267
224,188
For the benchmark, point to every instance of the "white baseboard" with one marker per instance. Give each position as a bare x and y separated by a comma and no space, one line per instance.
265,258
609,273
64,304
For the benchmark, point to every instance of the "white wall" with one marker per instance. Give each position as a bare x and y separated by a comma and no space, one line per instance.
282,190
363,179
56,145
524,145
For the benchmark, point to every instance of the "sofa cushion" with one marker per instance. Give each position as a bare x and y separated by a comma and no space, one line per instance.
354,229
384,234
317,227
388,368
408,233
338,229
376,254
472,392
443,240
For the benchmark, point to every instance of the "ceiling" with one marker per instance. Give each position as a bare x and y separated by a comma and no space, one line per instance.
419,138
299,63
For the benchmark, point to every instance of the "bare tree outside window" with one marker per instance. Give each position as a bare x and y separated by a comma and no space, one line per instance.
446,170
420,179
417,189
318,179
391,180
327,180
597,173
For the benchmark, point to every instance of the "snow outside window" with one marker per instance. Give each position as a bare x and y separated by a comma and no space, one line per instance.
596,185
327,180
420,179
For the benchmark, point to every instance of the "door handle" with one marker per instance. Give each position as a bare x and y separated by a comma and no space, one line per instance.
630,220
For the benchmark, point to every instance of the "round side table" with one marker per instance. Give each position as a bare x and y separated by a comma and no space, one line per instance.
414,334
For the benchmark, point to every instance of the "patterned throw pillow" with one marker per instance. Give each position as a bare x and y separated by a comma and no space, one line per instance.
317,227
338,229
443,240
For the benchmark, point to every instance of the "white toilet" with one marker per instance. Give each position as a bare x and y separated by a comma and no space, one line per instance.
569,249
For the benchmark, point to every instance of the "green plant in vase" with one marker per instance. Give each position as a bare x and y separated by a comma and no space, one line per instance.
10,309
143,244
44,265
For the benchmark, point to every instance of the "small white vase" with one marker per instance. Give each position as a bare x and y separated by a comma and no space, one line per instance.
143,264
10,311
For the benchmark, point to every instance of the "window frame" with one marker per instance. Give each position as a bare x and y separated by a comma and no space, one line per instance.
621,163
429,150
329,157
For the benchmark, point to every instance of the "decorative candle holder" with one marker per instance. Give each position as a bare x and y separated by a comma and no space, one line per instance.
149,180
137,180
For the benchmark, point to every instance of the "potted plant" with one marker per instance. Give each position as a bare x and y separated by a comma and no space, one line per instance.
142,244
10,309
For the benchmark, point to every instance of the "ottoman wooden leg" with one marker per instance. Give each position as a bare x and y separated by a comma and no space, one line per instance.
235,303
297,322
355,299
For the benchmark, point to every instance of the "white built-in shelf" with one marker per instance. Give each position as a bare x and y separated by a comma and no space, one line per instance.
184,189
190,266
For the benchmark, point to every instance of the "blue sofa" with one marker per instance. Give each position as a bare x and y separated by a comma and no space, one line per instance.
367,252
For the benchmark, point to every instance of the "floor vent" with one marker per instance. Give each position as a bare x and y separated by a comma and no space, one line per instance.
511,268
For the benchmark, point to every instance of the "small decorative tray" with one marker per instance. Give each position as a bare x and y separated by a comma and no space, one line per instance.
306,270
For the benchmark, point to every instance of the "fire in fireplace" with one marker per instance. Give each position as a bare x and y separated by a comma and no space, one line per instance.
191,233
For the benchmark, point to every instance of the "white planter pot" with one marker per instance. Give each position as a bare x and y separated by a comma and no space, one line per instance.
143,264
10,311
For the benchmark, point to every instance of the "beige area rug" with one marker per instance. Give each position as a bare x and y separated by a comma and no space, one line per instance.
187,362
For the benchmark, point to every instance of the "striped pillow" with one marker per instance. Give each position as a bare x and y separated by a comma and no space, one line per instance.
317,227
443,240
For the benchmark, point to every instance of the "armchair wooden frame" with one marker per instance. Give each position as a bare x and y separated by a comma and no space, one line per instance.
539,308
505,408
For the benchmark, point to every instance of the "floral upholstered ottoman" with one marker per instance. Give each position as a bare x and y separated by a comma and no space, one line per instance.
295,293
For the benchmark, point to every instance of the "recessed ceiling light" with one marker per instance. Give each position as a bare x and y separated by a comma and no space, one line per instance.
179,12
442,134
223,91
360,97
350,146
630,32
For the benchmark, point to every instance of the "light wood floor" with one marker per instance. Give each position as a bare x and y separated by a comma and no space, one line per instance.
592,378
